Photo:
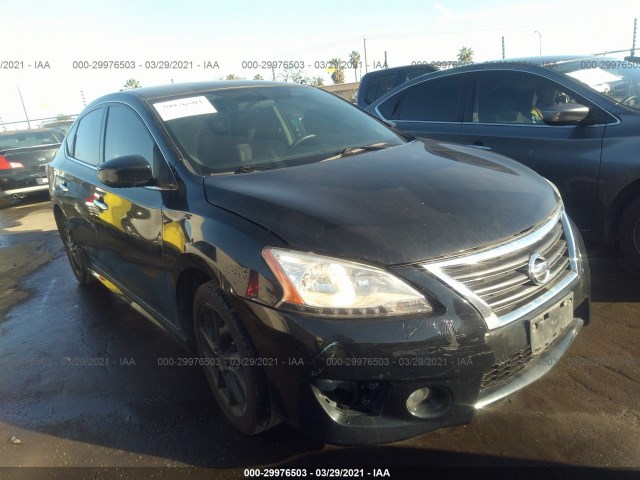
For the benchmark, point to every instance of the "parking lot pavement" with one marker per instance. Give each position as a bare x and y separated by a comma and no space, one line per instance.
80,384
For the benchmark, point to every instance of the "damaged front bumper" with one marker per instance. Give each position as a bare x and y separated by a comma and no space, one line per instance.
495,328
372,381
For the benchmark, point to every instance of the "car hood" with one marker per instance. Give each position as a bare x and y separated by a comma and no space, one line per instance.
395,206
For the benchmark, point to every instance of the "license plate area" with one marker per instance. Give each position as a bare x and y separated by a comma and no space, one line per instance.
42,180
545,328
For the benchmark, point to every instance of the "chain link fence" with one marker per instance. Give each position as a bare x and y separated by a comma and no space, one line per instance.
59,123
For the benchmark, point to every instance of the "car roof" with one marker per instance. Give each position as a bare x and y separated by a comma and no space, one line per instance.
400,69
548,59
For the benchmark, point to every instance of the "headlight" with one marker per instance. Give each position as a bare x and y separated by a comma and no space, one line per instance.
329,286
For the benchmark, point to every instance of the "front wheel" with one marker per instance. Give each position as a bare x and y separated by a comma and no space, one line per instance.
226,350
630,233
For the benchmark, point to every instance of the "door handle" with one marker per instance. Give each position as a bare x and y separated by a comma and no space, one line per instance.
63,186
98,202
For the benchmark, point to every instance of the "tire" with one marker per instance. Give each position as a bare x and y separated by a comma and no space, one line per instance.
74,254
222,342
630,233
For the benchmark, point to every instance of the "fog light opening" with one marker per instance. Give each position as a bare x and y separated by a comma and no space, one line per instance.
429,402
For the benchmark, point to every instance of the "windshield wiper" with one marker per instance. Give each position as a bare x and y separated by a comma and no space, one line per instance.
364,148
247,169
345,152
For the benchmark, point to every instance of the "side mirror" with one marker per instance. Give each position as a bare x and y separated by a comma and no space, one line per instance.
126,171
565,114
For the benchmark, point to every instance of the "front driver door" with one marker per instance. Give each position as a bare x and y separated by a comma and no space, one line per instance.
129,220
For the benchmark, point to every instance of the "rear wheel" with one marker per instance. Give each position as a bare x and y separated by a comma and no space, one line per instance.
74,253
630,233
225,347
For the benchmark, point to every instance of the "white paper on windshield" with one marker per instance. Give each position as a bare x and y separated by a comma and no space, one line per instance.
184,107
596,78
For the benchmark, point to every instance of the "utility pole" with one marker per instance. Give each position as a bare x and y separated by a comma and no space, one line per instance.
84,102
23,107
386,65
635,30
632,57
365,55
539,42
503,47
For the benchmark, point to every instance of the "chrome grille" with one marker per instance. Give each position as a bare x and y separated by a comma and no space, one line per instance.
503,282
496,281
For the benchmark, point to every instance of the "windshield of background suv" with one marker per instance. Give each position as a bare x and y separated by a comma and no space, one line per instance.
616,79
240,129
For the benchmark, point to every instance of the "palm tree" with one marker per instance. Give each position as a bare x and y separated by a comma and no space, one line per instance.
354,58
233,76
317,82
465,55
258,77
131,84
337,75
298,77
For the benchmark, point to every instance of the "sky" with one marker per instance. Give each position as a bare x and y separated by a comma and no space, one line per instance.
51,41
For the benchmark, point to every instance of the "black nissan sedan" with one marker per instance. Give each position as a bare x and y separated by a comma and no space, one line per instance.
324,269
573,119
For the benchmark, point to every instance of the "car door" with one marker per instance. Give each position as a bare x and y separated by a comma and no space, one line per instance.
505,118
129,220
429,109
73,183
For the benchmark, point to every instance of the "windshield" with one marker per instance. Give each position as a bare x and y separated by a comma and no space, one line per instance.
244,129
617,79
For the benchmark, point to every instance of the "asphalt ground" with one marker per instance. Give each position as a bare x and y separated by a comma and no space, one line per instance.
81,386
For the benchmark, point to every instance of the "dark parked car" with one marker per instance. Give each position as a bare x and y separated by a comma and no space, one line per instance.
24,155
375,84
325,269
574,120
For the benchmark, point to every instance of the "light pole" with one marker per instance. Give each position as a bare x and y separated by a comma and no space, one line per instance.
539,42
